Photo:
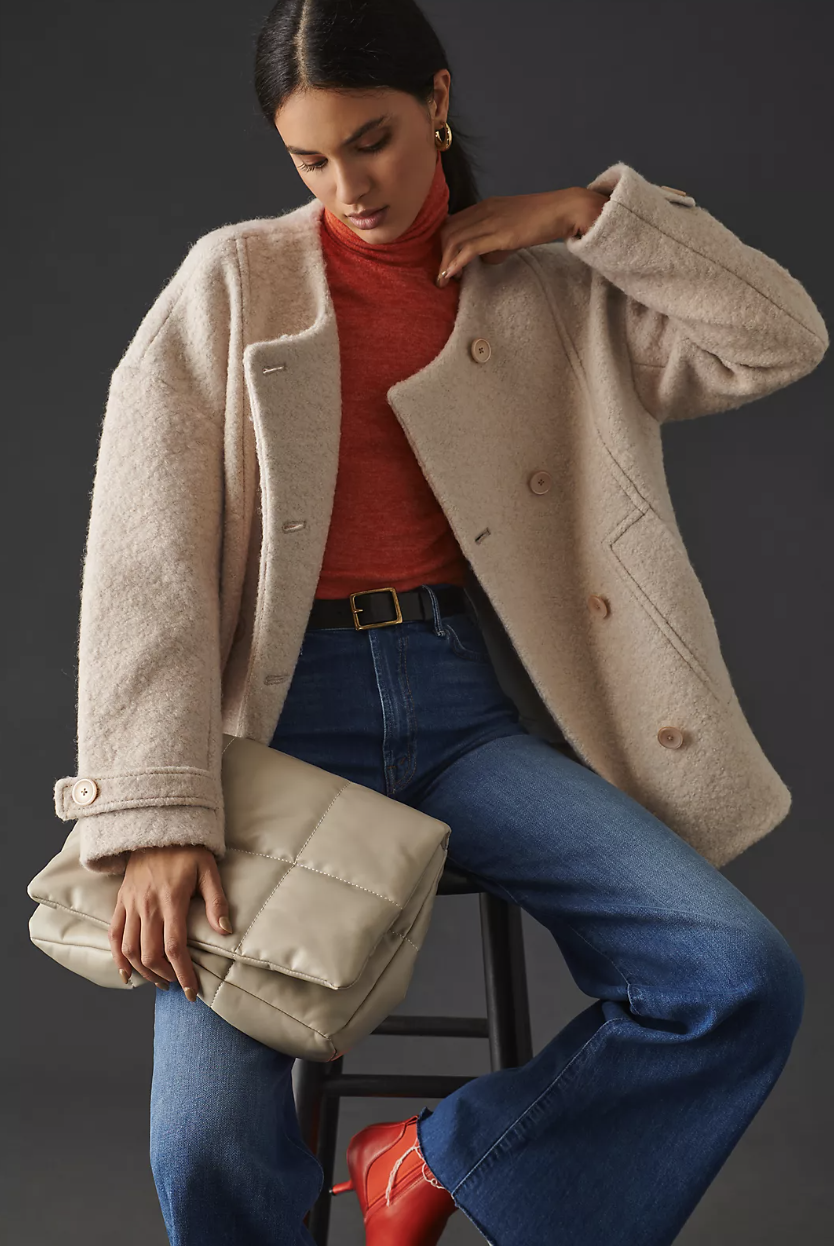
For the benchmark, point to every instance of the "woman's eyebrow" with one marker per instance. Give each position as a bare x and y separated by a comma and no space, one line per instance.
368,125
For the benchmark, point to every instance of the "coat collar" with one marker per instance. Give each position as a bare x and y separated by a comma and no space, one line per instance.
300,282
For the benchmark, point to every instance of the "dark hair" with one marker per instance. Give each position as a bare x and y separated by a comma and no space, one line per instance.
347,45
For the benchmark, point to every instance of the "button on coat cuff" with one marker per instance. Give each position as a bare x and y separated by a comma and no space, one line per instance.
86,795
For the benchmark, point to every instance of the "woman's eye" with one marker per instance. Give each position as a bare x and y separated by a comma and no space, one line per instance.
313,168
377,146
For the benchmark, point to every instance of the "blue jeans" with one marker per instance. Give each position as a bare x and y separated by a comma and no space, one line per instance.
613,1131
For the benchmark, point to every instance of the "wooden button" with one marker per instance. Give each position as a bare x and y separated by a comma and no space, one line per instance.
540,481
84,791
480,350
670,737
598,604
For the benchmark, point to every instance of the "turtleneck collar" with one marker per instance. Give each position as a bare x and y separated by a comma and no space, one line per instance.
419,244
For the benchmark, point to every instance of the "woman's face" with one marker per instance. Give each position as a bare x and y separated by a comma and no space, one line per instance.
361,150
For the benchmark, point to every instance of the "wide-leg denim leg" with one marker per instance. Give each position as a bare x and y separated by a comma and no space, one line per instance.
227,1157
613,1131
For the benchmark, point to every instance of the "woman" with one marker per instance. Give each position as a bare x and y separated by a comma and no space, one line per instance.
525,463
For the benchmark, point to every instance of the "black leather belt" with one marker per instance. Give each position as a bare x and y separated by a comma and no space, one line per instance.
379,607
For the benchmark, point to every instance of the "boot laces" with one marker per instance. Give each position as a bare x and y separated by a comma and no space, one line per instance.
425,1172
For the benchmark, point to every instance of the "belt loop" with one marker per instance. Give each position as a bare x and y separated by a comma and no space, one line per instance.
435,609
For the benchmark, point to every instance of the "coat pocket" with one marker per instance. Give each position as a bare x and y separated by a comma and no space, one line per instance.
654,564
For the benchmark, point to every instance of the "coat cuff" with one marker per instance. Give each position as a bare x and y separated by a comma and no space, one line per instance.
108,839
631,183
658,247
627,188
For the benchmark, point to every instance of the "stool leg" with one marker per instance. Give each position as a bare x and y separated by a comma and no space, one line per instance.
318,1118
307,1078
505,981
319,1216
518,978
497,980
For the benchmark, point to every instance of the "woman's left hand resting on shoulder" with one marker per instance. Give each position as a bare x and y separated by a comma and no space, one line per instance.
497,226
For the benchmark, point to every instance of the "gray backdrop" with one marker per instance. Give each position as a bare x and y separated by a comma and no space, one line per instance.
132,129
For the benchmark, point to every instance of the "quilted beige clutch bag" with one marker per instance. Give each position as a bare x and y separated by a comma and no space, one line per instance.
330,887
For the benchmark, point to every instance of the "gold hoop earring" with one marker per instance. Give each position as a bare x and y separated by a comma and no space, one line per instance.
443,144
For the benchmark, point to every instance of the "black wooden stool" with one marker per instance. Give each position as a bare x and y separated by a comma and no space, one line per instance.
318,1085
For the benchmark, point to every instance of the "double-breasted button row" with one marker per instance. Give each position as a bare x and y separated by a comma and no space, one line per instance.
539,482
84,791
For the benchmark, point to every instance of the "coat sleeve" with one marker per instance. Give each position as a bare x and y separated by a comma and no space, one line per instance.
708,322
148,713
149,731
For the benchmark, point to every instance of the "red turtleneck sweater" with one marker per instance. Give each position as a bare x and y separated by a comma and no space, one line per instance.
387,527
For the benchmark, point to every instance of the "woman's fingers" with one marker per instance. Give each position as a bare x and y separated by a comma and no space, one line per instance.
115,934
149,930
210,886
458,253
130,941
152,943
132,946
176,948
501,224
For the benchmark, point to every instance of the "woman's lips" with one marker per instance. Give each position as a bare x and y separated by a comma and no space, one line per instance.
369,220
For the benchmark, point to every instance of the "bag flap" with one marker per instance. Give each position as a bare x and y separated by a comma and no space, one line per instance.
321,868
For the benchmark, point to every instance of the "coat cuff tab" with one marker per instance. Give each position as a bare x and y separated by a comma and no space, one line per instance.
77,796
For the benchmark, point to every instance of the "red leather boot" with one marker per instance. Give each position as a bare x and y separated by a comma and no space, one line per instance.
403,1203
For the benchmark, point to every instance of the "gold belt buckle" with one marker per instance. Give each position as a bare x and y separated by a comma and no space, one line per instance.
357,610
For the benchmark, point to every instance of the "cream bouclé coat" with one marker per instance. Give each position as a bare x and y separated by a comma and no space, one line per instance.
215,480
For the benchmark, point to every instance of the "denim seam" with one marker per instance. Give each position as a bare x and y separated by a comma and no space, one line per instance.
538,1098
411,736
463,650
437,618
386,712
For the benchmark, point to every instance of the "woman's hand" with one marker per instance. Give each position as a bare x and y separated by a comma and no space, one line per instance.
148,930
497,226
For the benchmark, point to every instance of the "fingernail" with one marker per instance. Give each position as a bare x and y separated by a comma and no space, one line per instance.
164,986
125,976
190,994
226,924
440,277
